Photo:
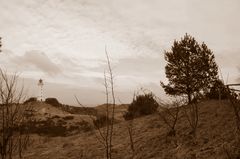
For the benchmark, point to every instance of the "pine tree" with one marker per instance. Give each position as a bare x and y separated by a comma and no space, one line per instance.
190,69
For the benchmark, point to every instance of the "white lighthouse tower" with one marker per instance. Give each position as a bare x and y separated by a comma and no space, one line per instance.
40,85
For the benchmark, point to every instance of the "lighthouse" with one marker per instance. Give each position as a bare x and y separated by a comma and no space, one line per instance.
40,85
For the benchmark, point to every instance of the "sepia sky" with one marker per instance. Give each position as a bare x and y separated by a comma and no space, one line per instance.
63,42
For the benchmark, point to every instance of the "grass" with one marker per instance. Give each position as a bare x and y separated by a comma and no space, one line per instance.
215,132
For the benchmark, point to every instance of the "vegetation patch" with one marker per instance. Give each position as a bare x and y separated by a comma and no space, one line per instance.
141,105
68,117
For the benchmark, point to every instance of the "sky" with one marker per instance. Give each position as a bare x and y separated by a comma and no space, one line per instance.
63,42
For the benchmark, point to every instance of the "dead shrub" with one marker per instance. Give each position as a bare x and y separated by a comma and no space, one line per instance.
169,114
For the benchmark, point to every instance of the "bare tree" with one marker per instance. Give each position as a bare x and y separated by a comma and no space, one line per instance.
13,117
169,113
104,135
111,81
191,112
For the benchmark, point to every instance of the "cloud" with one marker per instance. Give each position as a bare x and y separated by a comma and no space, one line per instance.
140,65
134,71
136,32
38,60
135,65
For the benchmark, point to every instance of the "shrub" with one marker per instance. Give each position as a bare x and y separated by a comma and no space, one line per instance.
68,117
141,105
217,89
73,127
47,128
52,101
169,113
56,116
32,99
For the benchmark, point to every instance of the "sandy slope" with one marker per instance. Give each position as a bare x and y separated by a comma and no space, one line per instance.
215,131
42,108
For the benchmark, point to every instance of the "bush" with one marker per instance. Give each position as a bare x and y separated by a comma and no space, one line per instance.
47,128
32,99
52,128
141,105
56,116
68,117
53,102
218,87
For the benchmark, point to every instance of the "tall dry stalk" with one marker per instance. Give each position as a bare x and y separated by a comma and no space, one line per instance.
111,81
130,131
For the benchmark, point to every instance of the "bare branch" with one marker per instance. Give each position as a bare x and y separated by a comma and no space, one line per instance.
14,136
